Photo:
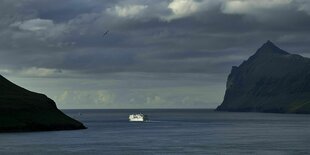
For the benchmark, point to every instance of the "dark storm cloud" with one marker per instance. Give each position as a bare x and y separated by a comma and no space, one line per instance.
181,36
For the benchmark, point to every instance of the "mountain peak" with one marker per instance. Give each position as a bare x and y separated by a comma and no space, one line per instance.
269,44
270,47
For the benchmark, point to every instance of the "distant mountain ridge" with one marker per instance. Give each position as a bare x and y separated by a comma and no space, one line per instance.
271,80
23,110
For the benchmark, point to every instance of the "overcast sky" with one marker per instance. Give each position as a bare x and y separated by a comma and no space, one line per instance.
156,54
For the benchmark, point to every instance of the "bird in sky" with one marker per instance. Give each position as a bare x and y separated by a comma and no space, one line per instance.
105,33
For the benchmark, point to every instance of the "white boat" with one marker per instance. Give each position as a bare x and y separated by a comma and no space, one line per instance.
138,117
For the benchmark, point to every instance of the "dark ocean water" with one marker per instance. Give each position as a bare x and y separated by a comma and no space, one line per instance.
174,132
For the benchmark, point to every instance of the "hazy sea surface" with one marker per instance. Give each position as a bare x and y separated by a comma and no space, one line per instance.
171,132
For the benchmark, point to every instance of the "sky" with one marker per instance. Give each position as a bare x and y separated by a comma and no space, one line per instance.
155,54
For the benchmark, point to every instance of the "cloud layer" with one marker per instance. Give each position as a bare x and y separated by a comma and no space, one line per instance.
143,33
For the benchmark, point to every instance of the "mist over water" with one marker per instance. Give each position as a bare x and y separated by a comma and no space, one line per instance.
187,131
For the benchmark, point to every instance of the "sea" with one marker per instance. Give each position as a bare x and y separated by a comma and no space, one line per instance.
168,132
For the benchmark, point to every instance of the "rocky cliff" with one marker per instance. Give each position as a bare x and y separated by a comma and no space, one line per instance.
272,80
23,110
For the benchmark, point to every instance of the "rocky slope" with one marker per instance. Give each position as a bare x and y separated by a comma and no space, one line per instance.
23,110
272,80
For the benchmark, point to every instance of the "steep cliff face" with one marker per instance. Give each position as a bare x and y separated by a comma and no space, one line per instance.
23,110
271,80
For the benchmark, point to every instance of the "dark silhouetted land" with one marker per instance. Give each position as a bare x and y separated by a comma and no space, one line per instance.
272,80
23,110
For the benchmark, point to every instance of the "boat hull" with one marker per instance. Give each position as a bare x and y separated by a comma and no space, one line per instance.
136,120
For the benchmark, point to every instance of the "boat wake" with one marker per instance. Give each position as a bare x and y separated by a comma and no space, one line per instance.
151,121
